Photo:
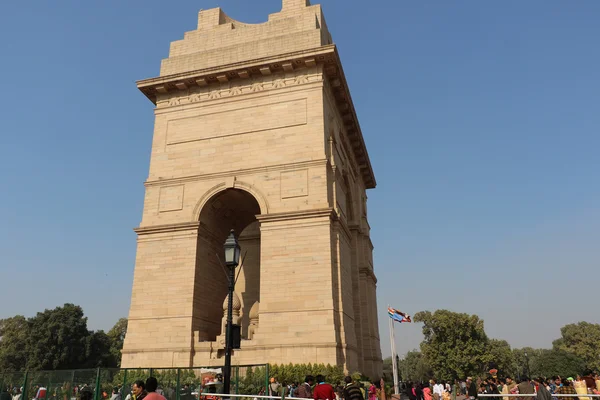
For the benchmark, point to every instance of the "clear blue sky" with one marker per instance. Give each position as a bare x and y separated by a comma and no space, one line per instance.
482,121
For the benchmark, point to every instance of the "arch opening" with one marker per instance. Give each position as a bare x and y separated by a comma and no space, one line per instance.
228,209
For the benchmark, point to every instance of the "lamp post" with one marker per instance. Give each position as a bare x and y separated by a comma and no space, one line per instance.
232,259
527,365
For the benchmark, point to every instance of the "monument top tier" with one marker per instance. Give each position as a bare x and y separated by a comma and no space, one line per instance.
223,53
221,40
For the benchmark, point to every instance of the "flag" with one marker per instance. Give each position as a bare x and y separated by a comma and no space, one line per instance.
398,316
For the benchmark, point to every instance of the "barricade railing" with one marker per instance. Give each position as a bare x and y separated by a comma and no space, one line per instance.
535,395
250,397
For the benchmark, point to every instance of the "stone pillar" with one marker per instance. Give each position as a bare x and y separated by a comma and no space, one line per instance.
159,331
343,294
377,366
356,288
367,321
248,282
297,311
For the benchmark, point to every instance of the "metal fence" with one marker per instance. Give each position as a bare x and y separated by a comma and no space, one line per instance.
175,383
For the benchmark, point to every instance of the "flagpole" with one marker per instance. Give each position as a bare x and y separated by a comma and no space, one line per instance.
395,356
394,364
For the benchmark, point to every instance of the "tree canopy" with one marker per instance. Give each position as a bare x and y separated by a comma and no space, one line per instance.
554,362
498,355
57,339
455,345
582,340
116,337
413,367
13,334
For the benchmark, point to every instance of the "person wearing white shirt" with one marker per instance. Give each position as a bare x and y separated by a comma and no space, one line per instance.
438,389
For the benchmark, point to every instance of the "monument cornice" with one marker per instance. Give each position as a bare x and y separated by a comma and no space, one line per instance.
327,56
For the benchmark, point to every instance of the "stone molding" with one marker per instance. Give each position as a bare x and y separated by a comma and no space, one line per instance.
169,228
295,215
196,227
249,345
155,318
249,171
154,350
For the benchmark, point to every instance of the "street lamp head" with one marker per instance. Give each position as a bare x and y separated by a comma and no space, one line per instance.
232,250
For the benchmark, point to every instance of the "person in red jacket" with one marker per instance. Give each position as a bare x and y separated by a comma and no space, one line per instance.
323,391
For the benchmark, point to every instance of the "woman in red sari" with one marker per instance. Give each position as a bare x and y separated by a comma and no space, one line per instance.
373,391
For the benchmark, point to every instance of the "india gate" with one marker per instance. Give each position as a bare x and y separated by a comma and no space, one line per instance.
255,131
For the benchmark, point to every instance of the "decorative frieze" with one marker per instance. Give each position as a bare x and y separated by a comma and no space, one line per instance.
223,89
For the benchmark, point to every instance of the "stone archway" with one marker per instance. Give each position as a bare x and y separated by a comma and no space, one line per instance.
228,209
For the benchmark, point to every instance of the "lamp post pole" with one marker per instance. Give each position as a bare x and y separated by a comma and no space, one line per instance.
228,344
232,257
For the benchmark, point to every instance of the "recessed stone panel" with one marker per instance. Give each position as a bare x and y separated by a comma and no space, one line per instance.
252,118
170,198
294,184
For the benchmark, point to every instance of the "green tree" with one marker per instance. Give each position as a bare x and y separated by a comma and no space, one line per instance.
499,356
583,340
98,351
14,332
57,339
454,345
414,368
525,362
117,336
387,369
557,362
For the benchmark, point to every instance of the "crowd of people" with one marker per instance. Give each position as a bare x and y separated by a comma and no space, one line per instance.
141,390
542,388
317,388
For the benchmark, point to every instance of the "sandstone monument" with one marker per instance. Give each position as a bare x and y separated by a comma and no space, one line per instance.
255,131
